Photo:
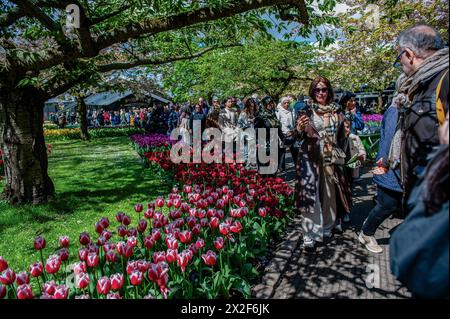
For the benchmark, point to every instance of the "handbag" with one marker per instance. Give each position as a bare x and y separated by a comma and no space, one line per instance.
338,156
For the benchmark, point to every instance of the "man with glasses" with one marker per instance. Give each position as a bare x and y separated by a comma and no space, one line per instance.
423,57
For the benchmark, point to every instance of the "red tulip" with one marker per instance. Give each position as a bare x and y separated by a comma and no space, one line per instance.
210,258
149,213
24,292
169,203
177,203
142,265
136,278
2,291
142,226
127,251
219,243
159,256
183,260
50,287
149,242
171,255
63,241
104,221
79,268
185,207
119,217
92,260
185,236
132,232
106,235
236,227
197,229
85,239
3,264
220,203
224,229
92,248
187,189
159,202
39,243
82,280
117,281
132,241
7,277
98,228
156,234
53,264
82,254
63,254
126,220
22,278
214,222
171,242
138,208
114,295
103,285
36,269
131,265
111,256
122,230
61,292
200,243
262,212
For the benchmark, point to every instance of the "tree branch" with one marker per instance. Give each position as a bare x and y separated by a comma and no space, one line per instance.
98,20
158,25
128,65
8,18
32,11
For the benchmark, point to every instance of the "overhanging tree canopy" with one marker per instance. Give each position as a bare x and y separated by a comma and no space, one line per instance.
41,58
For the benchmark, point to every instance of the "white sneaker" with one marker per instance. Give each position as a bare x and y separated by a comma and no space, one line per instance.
370,243
308,243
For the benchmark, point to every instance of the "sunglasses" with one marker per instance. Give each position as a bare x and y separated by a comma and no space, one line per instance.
323,90
397,60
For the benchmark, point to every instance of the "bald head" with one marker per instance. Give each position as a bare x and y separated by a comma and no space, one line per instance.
422,39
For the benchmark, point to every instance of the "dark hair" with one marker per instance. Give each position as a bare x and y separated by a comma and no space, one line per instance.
267,100
347,96
315,82
248,103
436,191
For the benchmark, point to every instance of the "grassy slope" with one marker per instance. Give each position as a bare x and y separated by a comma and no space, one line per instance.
92,180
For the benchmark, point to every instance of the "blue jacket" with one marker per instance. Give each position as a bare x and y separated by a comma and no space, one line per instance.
390,180
356,120
419,248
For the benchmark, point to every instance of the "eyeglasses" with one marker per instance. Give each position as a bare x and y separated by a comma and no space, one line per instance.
322,90
397,61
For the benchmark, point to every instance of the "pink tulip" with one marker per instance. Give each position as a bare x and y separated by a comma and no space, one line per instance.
79,268
159,202
210,258
159,256
117,281
183,260
187,189
92,260
82,280
136,278
171,255
149,242
262,212
103,285
24,292
114,295
236,227
169,203
63,254
156,234
200,243
7,277
111,256
171,242
219,243
61,292
132,241
22,278
50,287
63,241
122,230
82,254
53,264
106,235
214,222
197,229
185,236
224,229
132,232
149,213
39,243
36,269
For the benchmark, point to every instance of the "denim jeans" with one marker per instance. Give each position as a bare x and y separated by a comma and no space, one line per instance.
388,202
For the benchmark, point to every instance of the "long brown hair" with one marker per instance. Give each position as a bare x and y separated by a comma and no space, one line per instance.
250,102
315,82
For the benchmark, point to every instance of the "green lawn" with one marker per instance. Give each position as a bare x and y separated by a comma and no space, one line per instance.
92,180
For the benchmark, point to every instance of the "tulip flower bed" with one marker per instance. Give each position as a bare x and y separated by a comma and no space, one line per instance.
151,142
74,133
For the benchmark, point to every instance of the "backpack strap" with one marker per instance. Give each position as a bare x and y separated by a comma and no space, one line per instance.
439,104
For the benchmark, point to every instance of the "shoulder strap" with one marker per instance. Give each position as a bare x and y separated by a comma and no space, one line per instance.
439,104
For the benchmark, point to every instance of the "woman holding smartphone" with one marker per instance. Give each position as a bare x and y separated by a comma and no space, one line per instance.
323,194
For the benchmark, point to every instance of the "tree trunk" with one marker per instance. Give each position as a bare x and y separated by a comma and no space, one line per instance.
82,111
23,145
